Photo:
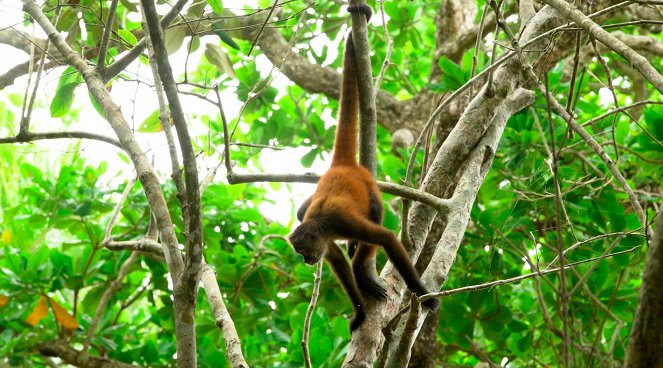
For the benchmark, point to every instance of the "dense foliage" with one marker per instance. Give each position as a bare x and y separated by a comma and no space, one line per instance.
55,204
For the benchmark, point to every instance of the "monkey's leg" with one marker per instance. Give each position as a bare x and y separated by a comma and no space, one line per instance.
363,267
344,274
363,262
368,232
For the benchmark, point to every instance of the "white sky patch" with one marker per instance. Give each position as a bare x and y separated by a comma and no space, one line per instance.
526,265
605,96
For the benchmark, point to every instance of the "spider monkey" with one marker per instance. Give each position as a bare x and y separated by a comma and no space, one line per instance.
347,205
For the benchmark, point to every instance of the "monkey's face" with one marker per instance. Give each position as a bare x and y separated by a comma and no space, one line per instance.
309,242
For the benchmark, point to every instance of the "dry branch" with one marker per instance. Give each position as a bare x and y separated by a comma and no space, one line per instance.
223,319
636,60
69,355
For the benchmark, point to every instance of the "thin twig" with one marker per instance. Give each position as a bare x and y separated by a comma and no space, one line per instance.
574,74
563,295
493,54
111,289
127,303
125,193
226,134
599,333
25,123
387,58
105,37
593,239
611,87
477,47
262,28
489,285
36,136
309,314
166,125
25,119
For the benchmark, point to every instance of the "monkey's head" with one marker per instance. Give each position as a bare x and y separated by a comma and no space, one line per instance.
309,241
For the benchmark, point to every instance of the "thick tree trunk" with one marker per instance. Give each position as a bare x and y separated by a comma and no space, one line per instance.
645,348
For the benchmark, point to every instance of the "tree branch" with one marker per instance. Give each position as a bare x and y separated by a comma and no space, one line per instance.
367,112
223,319
36,136
309,313
186,285
69,355
636,60
645,348
440,205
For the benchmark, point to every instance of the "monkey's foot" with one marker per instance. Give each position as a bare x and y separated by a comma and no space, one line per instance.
431,304
369,284
357,319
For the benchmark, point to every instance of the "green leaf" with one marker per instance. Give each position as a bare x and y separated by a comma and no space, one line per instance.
128,36
307,159
96,105
453,77
391,219
517,326
654,118
84,209
173,38
64,94
196,8
217,6
394,168
194,44
218,57
224,35
67,20
151,124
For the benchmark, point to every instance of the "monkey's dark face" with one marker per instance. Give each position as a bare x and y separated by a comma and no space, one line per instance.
309,242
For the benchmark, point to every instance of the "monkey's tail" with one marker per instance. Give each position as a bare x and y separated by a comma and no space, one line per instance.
345,145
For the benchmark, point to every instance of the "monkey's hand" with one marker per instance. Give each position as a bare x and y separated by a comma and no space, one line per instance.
361,8
357,319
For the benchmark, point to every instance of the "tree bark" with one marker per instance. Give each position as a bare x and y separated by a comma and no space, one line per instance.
645,348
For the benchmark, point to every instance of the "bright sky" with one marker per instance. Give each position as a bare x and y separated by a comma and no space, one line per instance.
126,94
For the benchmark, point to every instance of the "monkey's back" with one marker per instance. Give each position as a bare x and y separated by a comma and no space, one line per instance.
344,189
